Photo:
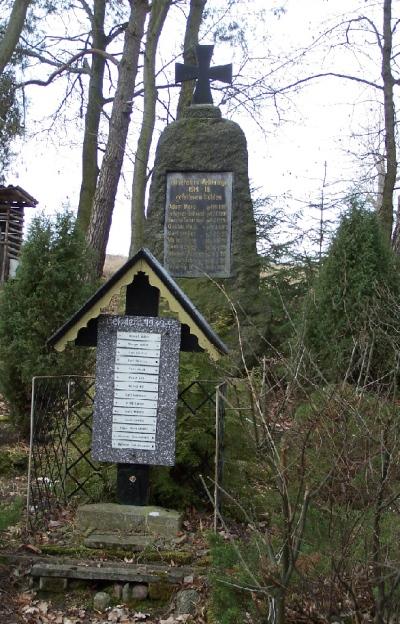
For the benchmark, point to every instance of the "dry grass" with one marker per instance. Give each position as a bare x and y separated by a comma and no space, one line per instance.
112,264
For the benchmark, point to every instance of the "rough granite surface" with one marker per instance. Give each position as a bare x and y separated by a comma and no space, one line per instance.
102,449
202,141
129,519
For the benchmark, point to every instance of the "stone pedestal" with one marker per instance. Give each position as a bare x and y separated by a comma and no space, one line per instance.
111,517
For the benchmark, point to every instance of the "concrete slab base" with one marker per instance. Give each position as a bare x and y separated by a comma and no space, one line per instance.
123,541
146,520
113,572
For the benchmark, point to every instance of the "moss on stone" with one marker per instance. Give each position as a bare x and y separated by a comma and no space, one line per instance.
81,552
203,562
70,551
161,591
201,143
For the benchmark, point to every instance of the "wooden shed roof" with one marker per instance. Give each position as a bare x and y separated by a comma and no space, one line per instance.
16,196
159,278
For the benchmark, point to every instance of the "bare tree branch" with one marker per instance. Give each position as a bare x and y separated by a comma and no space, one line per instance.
67,67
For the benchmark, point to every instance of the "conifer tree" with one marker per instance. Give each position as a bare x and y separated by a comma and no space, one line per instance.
350,319
50,285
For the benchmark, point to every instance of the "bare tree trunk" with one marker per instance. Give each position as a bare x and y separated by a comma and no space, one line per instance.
158,14
90,169
396,233
13,32
189,55
104,198
386,210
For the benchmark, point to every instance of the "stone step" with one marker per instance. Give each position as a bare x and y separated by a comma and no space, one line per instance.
133,543
127,573
107,517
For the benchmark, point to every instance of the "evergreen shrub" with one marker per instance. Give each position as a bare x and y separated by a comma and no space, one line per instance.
352,311
229,603
180,486
52,282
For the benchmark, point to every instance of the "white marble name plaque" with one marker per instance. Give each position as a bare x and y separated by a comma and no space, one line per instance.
132,377
133,437
125,368
134,403
124,338
136,385
135,412
136,390
127,444
122,426
124,346
138,350
139,360
138,394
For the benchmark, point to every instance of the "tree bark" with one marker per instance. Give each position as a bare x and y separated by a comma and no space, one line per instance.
104,198
386,209
189,51
396,232
13,32
90,169
158,14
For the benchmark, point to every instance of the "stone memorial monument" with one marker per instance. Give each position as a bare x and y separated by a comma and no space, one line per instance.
200,217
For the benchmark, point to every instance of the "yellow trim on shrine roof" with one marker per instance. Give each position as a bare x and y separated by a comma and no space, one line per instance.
127,278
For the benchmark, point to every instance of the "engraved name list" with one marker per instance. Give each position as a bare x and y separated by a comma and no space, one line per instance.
137,368
198,224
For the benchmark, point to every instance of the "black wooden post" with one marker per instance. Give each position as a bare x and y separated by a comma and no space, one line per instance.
133,480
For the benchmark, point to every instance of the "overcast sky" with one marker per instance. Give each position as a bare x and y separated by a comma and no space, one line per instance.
288,145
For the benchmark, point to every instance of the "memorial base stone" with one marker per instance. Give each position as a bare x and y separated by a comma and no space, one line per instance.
108,517
118,540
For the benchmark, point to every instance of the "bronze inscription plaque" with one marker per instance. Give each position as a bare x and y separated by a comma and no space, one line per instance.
197,237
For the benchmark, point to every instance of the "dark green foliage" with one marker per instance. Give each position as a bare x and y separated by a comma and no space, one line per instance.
13,460
338,444
10,513
229,603
286,274
352,524
10,119
336,447
180,486
348,434
51,284
352,311
285,286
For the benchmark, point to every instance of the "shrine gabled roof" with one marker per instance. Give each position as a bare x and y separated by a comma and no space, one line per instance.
16,196
177,300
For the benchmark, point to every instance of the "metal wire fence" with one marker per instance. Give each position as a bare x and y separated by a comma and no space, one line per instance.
60,463
60,466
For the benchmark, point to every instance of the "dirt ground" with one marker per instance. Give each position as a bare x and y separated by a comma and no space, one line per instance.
20,602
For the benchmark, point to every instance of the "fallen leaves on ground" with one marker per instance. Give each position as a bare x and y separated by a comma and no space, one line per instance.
41,612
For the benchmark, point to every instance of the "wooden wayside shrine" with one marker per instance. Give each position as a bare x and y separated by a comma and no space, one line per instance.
13,201
146,281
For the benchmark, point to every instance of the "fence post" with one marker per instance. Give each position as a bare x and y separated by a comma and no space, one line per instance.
219,445
28,494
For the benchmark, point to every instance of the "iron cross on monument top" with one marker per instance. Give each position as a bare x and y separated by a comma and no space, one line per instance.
203,73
